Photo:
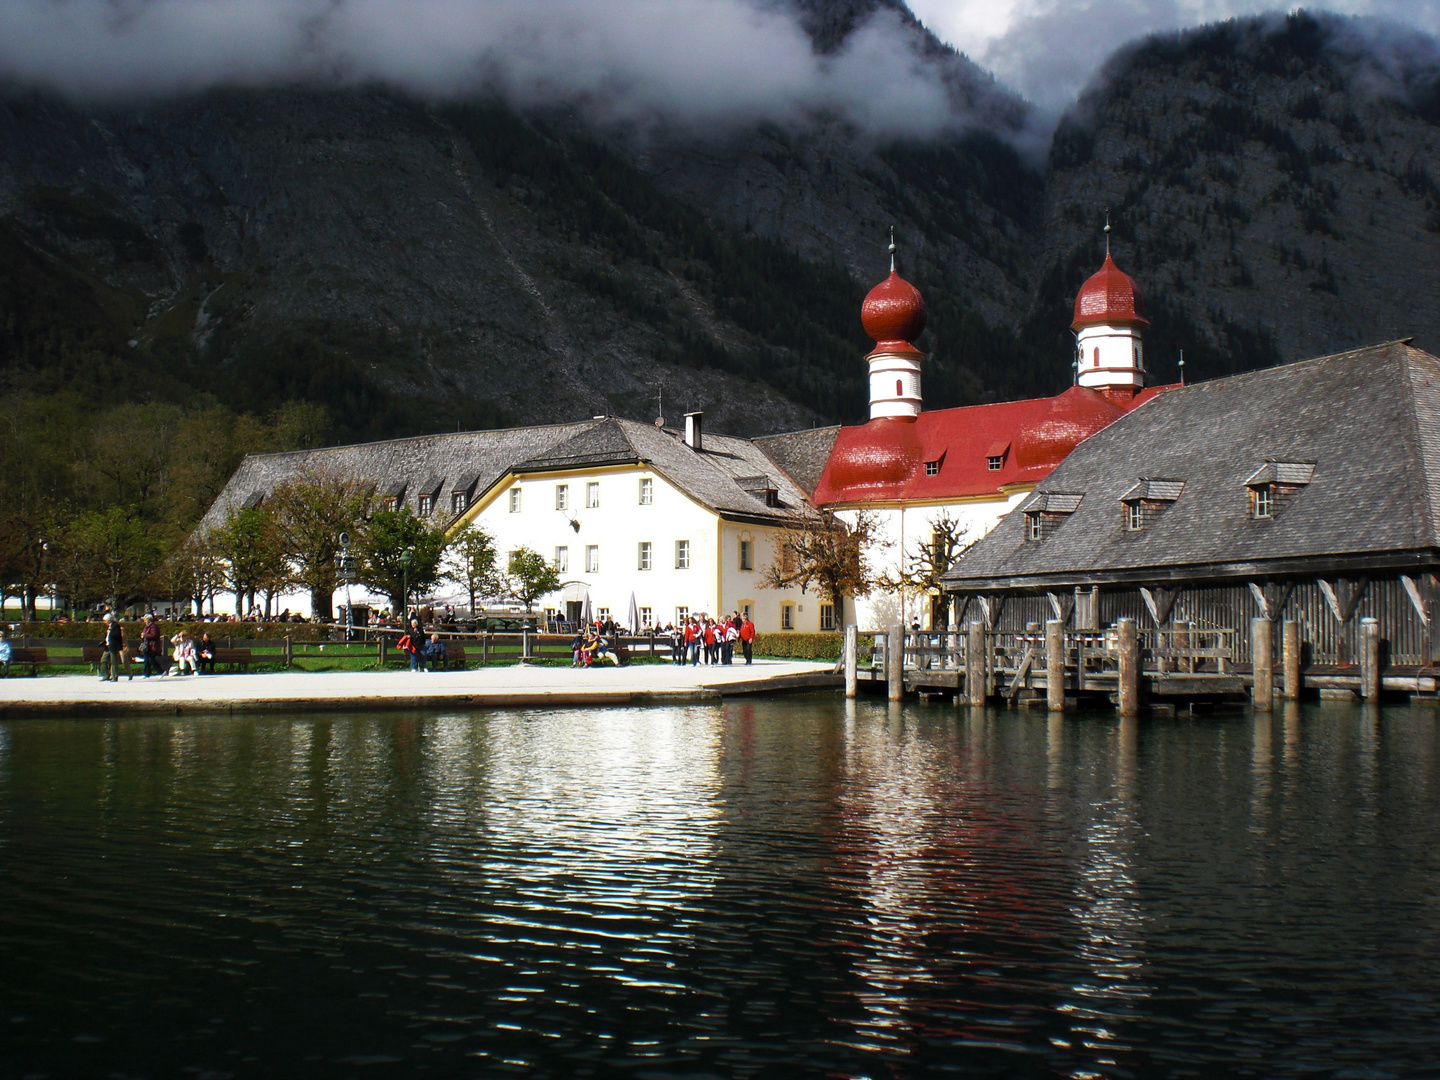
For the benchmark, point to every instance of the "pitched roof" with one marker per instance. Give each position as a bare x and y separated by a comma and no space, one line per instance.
801,454
722,476
883,461
454,461
1368,420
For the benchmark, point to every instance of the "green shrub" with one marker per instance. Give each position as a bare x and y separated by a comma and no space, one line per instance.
800,646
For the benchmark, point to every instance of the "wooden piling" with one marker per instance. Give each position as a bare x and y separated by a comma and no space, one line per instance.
1262,664
1290,660
380,652
1129,668
975,673
895,663
1370,660
852,660
1055,665
288,652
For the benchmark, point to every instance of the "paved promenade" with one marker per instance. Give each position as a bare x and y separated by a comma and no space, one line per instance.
86,695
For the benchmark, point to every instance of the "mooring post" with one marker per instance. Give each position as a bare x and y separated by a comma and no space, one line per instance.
895,663
852,659
1055,665
380,652
975,673
288,652
1370,660
1290,660
1262,665
1129,643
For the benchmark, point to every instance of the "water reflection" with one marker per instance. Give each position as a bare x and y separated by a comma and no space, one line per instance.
805,886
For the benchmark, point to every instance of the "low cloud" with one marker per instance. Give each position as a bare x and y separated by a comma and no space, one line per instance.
704,63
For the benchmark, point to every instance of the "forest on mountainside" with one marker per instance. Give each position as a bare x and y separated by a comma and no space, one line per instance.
238,270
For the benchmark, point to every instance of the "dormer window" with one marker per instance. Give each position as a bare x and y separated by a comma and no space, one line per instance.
932,468
1046,511
1148,498
427,505
457,502
994,464
1274,484
995,455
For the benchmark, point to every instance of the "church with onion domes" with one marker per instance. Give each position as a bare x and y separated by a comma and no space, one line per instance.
913,468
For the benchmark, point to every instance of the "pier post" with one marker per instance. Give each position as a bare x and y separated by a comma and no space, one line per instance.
1370,660
380,652
1129,668
1055,665
288,652
895,663
975,673
852,660
1262,663
1290,659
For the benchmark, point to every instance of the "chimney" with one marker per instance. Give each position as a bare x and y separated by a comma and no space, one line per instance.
693,433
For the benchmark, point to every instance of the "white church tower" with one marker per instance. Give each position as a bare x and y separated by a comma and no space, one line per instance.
1109,314
894,316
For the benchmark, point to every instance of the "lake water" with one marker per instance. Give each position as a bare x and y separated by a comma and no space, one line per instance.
771,889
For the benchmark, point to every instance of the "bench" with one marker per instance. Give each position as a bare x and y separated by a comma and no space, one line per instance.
455,657
33,657
233,657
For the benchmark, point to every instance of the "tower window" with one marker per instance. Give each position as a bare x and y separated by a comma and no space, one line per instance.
899,389
1097,355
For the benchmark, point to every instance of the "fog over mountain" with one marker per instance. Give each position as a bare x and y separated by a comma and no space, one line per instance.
429,214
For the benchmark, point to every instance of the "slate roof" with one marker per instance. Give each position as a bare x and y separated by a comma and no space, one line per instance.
1368,420
474,461
713,477
801,454
467,461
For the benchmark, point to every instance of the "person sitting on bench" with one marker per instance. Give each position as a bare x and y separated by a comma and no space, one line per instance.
435,654
205,653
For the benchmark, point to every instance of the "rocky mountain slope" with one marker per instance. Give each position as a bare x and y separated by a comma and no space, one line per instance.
415,266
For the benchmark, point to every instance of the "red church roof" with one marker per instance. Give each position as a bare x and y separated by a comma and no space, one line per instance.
885,460
1111,298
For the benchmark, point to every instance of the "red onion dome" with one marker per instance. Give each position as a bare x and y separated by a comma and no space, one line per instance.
1109,298
1047,438
894,312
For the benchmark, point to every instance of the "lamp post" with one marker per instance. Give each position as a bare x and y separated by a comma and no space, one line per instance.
406,558
347,575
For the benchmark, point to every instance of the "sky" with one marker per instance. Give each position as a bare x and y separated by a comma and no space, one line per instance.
706,63
1049,50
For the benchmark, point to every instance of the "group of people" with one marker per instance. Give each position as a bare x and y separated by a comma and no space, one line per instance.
427,653
700,636
592,645
185,651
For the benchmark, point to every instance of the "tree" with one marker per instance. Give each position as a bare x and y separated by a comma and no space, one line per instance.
311,511
254,557
531,576
828,554
923,568
382,543
116,551
474,564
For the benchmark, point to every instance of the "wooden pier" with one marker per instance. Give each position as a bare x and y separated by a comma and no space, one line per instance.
1126,666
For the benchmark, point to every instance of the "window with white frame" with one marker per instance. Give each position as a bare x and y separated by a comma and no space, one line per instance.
747,554
682,554
457,502
647,491
602,613
426,505
592,559
787,616
647,618
515,500
562,496
827,616
1264,500
592,495
562,559
642,561
1134,516
681,614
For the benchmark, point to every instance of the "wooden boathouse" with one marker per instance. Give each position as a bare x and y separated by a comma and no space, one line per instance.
1276,531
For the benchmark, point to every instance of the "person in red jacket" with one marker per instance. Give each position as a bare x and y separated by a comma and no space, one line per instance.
747,637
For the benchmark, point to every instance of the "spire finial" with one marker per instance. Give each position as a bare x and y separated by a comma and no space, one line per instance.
892,249
1107,231
1182,367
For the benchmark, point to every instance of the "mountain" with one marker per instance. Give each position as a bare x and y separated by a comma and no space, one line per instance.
414,265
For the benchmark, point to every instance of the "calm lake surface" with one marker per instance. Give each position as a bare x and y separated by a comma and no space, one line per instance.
779,888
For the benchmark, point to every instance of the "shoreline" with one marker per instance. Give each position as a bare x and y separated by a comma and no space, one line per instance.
85,696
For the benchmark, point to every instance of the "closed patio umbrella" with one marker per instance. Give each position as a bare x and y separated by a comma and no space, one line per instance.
585,617
634,616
